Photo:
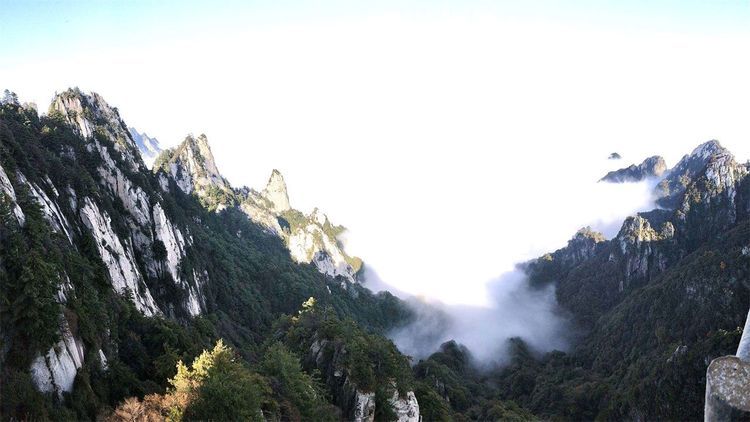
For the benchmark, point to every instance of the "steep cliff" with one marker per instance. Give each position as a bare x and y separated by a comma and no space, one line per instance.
109,273
655,304
367,377
311,239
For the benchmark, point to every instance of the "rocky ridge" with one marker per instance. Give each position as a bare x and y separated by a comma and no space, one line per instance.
75,214
668,284
650,167
311,238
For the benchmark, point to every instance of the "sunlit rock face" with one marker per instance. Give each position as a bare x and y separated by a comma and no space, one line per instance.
192,166
714,199
311,239
275,192
94,119
651,167
676,180
119,169
118,258
10,193
639,245
125,237
51,210
406,408
357,405
55,372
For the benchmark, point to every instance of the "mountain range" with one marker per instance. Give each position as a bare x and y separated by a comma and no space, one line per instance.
114,277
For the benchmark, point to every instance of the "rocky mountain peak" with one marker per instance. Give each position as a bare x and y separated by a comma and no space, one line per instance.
650,167
638,229
90,115
708,149
676,180
275,192
582,246
192,166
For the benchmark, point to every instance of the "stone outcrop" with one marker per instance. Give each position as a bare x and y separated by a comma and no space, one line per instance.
55,372
311,239
10,193
357,405
118,258
275,192
125,246
675,181
651,167
639,245
192,166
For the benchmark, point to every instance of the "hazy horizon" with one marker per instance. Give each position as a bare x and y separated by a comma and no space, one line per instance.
452,140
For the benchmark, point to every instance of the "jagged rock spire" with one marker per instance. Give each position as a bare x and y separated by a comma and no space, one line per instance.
85,112
275,192
192,166
670,190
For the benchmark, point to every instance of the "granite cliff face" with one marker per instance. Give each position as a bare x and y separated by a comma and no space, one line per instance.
663,297
650,168
125,246
329,357
192,166
311,239
706,189
676,180
110,272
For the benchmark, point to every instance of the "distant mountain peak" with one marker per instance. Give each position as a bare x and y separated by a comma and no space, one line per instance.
191,164
276,192
708,149
650,167
670,189
148,146
90,115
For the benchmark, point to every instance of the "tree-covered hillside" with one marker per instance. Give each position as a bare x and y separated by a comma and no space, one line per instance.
131,294
108,278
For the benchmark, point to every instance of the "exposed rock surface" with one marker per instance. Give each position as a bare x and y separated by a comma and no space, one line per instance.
356,404
676,180
275,192
406,408
311,239
707,190
125,244
10,193
639,244
57,369
650,167
192,166
118,258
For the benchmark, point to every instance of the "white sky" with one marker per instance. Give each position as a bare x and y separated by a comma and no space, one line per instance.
451,145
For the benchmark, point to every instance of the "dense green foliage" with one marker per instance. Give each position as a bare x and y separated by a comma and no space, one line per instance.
644,342
252,279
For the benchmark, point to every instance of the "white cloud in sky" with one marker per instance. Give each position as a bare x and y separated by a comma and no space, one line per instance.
452,147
